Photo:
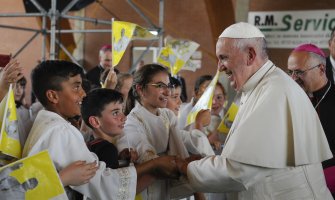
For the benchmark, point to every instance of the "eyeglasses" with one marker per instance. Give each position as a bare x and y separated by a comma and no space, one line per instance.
161,85
299,72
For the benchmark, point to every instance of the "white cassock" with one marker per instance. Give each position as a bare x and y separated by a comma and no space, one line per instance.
274,148
153,135
66,145
26,119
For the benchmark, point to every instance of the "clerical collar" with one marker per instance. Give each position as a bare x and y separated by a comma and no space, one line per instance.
101,68
319,93
256,77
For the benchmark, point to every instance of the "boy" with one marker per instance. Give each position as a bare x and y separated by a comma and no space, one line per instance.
58,86
102,111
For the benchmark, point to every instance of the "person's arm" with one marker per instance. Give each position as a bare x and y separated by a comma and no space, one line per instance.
219,174
163,167
78,173
11,73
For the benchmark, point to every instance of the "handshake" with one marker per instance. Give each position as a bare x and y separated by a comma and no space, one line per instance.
170,167
162,167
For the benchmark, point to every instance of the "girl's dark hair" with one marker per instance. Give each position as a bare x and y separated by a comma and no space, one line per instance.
175,82
200,81
120,80
22,81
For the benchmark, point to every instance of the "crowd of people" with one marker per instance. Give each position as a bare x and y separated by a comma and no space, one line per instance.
114,135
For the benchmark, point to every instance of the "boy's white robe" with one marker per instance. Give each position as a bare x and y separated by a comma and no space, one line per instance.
66,145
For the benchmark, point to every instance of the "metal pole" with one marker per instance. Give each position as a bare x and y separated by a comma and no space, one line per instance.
44,34
67,52
68,7
82,31
26,44
112,42
95,21
21,15
138,10
20,28
141,56
53,18
161,24
38,6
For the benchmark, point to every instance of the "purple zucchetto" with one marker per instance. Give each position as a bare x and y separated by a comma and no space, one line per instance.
106,47
310,48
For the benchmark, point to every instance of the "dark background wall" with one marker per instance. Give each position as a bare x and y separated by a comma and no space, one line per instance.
199,20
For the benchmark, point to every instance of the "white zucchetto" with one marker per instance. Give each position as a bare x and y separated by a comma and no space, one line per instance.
242,30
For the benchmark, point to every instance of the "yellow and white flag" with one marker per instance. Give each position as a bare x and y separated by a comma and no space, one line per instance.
176,53
228,119
33,177
123,33
9,136
167,57
205,101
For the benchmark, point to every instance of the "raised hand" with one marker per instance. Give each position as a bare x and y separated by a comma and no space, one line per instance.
202,119
11,73
111,79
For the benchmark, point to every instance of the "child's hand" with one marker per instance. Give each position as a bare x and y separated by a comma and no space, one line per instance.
166,167
78,173
11,73
111,80
133,156
126,155
202,119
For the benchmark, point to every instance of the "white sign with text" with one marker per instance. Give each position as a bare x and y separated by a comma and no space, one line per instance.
288,29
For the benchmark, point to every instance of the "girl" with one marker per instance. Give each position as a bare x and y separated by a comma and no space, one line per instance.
150,127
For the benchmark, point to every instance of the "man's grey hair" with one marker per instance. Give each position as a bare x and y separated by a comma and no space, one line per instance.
258,43
317,58
104,50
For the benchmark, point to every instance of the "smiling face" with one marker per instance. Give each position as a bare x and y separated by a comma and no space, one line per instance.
67,101
233,62
112,119
155,94
218,100
174,100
